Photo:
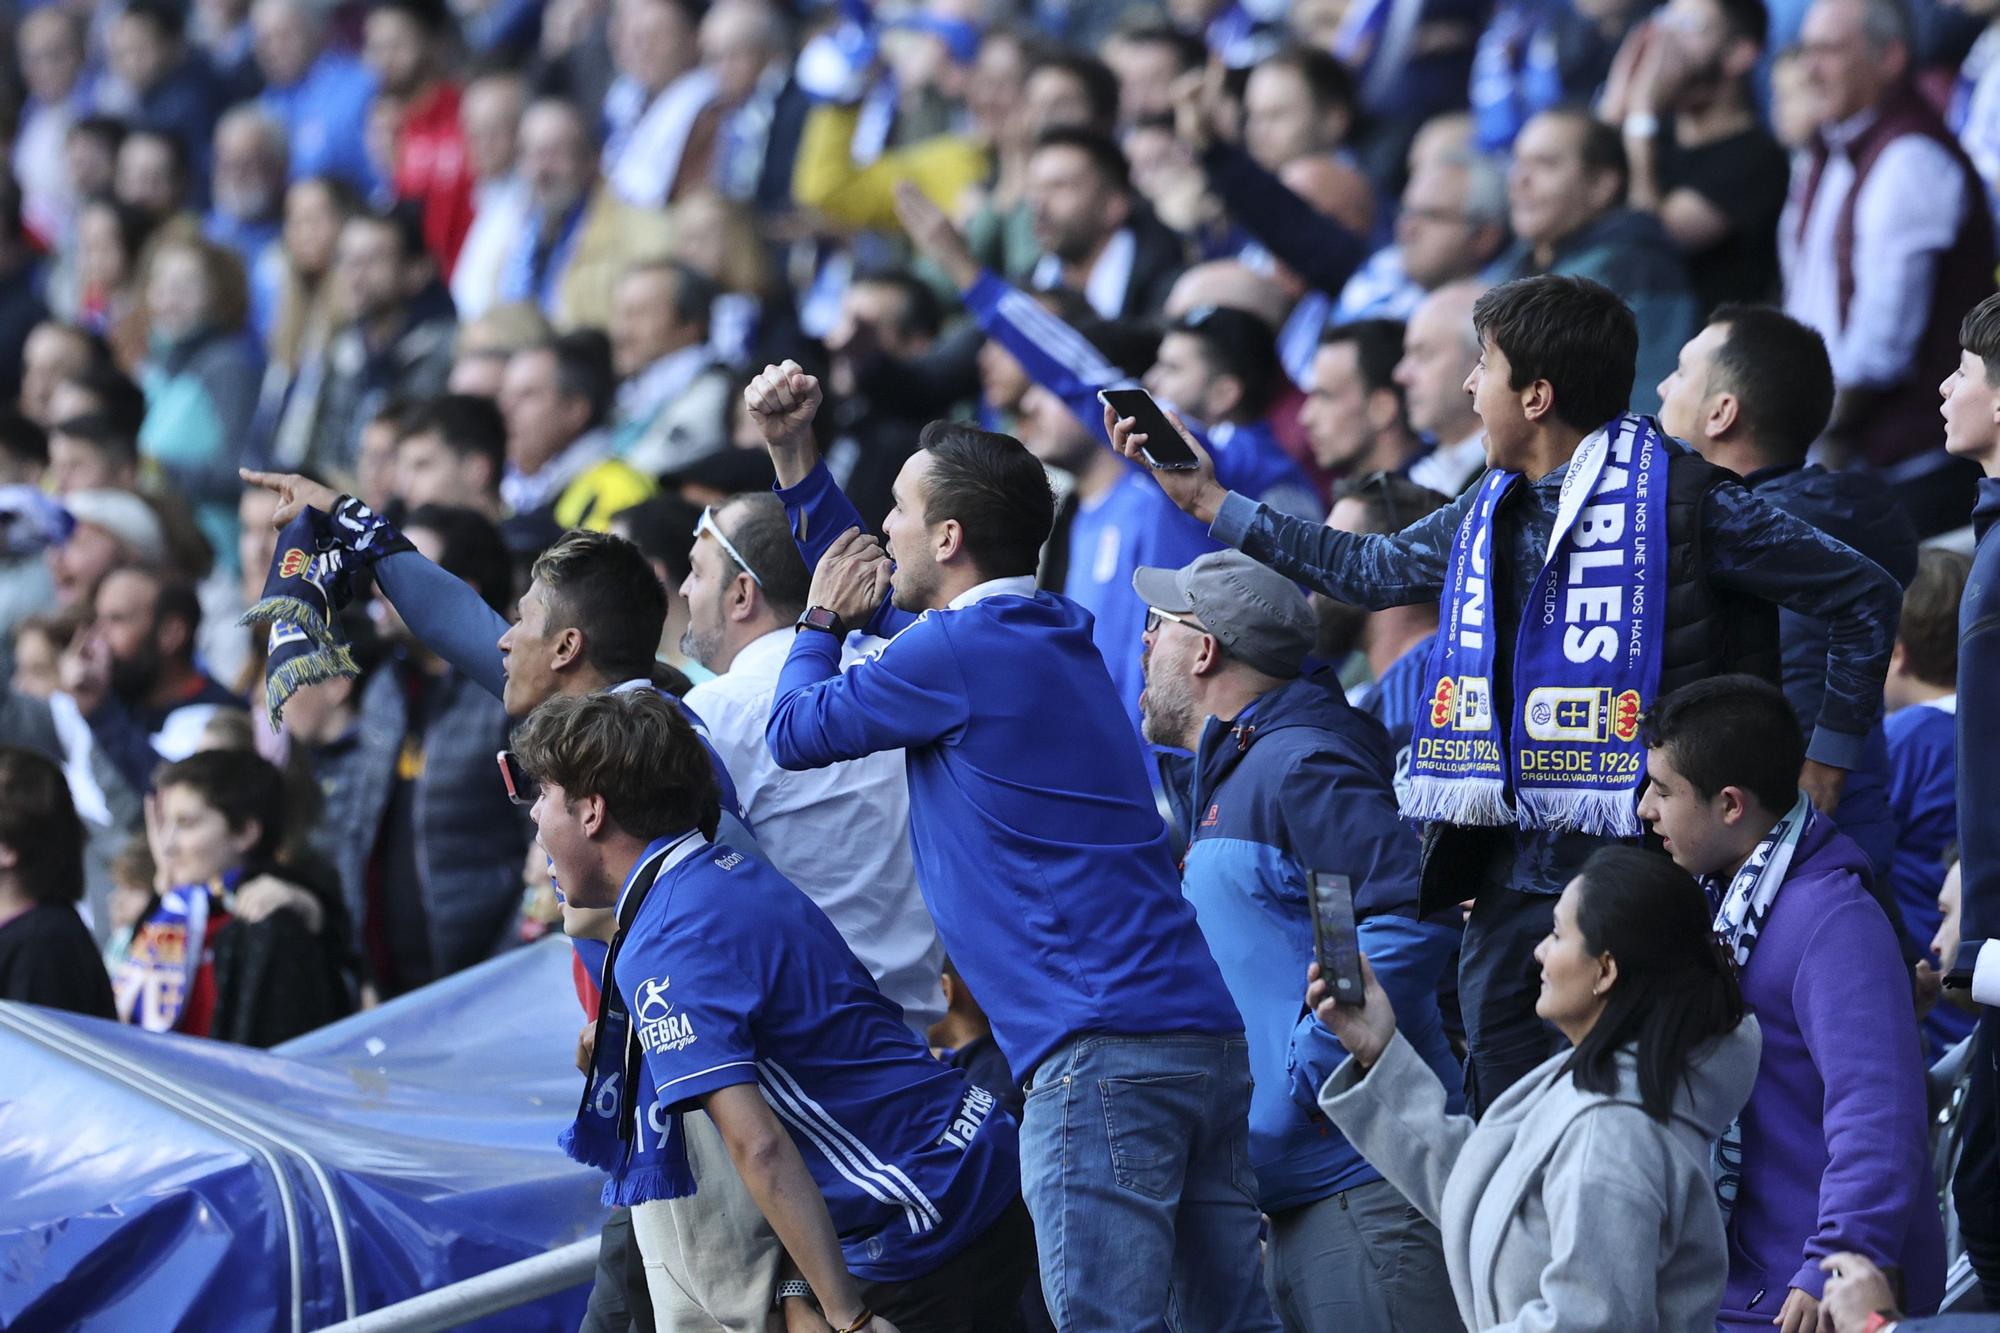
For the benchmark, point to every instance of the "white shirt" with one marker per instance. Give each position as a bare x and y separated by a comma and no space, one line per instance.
1014,585
841,833
1447,468
643,163
502,210
1906,217
1110,277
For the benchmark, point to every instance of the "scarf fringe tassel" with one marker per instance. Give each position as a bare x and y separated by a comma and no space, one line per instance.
1463,801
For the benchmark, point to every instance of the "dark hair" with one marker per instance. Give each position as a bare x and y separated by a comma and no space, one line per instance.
1378,346
241,786
995,488
584,370
1928,630
1190,52
663,529
694,291
165,18
433,16
22,439
1237,343
1779,371
39,824
174,598
1676,989
1979,334
760,529
1576,334
121,403
1103,151
922,314
1731,731
1390,500
634,749
405,219
134,225
469,425
1132,345
108,129
473,550
1100,85
1748,20
602,585
1328,82
1601,146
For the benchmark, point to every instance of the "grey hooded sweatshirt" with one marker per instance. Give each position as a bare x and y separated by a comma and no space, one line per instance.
1561,1210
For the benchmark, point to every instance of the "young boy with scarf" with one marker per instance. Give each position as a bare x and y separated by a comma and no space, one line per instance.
1596,566
1831,1153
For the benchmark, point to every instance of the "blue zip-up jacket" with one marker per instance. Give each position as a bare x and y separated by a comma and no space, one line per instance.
1038,847
1979,723
1751,547
1847,506
1299,782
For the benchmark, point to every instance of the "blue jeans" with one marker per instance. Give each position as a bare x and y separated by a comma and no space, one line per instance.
1135,1163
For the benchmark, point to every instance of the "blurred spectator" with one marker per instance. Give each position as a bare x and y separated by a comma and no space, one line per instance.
661,112
153,175
319,95
1886,218
375,472
1225,651
1832,1149
1534,57
490,113
39,643
884,313
113,528
1440,348
98,291
1354,414
303,324
155,82
1097,235
1921,695
1750,394
746,47
231,946
90,151
842,829
1149,61
220,32
560,470
396,342
247,203
964,1038
46,954
1299,103
753,316
50,47
673,396
1974,113
201,379
29,522
1566,196
1699,159
1452,222
53,352
452,450
429,850
659,527
100,390
407,49
23,279
91,453
579,236
133,675
484,346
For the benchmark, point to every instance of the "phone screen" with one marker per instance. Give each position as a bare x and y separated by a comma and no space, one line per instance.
1164,448
1335,944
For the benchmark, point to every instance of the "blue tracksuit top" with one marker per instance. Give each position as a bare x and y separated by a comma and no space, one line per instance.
1038,847
1299,782
1979,723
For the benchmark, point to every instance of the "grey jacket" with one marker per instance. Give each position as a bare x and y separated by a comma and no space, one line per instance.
1549,1206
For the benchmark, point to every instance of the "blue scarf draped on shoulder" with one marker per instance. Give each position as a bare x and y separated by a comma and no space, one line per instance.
1586,659
311,579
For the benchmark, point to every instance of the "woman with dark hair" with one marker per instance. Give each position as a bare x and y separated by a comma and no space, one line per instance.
1584,1198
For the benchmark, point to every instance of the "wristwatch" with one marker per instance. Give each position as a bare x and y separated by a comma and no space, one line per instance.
819,618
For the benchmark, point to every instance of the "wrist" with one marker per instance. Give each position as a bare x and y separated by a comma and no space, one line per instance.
1639,124
1208,502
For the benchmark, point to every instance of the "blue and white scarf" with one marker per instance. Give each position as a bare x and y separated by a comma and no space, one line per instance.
157,976
1741,909
1586,658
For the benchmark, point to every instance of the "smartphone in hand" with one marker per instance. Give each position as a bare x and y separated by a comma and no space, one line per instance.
1164,449
1336,944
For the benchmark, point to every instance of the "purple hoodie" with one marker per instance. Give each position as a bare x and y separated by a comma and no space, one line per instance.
1835,1141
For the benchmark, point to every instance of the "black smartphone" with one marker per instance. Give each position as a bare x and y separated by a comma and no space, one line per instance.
1336,945
1164,448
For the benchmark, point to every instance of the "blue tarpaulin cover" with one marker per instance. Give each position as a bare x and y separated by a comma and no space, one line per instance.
153,1182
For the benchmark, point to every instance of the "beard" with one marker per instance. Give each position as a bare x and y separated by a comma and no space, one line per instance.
1166,712
134,677
699,645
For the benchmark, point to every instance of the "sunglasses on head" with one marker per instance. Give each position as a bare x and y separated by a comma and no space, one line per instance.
522,789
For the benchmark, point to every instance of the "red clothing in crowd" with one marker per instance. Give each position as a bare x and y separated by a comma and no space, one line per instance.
432,170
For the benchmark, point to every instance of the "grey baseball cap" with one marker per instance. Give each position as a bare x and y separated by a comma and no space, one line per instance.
1258,614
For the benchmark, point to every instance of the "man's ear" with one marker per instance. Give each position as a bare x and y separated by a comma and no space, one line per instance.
1225,395
1606,190
742,596
1382,408
1210,659
1724,413
568,648
1733,804
243,839
592,815
950,540
1538,400
172,635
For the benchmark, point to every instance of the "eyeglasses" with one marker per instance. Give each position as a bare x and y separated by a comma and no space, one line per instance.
522,789
707,524
1154,616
